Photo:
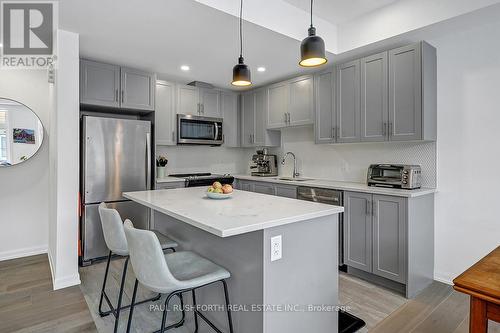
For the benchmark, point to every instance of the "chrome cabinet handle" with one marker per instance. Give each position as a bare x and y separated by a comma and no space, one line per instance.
202,108
368,204
173,136
289,118
116,96
333,132
384,129
391,129
198,105
123,96
286,118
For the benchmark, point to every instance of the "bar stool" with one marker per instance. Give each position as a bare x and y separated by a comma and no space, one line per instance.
114,235
172,274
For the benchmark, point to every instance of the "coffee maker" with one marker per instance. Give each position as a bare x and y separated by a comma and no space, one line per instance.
264,164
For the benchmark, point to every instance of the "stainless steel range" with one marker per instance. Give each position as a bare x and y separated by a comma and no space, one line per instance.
203,179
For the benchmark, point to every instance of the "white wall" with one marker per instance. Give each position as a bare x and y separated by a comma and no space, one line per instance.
186,159
467,224
24,194
64,164
349,162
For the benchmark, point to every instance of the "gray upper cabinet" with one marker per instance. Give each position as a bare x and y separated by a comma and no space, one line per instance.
260,113
187,100
301,95
348,102
138,89
231,115
113,86
358,230
210,103
389,237
374,98
99,84
325,120
247,119
165,119
405,93
277,115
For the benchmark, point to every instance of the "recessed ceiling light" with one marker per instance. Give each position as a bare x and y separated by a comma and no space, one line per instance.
261,69
185,67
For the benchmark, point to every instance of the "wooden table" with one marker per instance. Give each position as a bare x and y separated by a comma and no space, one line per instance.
482,283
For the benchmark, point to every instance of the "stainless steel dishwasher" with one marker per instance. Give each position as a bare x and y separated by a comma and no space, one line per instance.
331,197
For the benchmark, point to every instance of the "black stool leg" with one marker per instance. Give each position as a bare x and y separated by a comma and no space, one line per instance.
132,305
101,313
165,311
195,307
120,295
228,305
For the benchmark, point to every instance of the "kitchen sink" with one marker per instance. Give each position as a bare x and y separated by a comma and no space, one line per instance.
296,179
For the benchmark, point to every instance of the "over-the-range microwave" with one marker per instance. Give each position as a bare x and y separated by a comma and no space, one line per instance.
198,130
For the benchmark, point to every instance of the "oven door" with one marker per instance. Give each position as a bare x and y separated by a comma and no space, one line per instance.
199,130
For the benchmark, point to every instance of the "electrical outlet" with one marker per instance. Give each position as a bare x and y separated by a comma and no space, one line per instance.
276,248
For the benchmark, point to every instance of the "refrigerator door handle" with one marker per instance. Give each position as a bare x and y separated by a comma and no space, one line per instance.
148,160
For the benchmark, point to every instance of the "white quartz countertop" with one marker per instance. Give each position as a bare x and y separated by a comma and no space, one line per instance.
242,213
341,185
169,180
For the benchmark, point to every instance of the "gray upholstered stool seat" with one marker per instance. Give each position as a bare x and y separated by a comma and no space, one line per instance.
191,270
165,241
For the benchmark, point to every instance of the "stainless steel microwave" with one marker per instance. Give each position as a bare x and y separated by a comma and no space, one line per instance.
197,130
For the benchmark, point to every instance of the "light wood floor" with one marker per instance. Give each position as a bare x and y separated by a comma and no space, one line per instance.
28,303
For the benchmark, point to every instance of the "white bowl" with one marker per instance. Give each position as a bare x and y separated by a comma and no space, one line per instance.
218,196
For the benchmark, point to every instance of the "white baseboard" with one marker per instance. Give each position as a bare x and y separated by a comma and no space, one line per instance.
25,252
62,282
444,280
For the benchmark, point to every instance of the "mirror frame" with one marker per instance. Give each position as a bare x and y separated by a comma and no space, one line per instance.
43,133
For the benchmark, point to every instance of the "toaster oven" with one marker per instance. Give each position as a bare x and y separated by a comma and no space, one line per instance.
395,175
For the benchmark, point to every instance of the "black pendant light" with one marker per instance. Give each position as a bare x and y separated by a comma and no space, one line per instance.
312,48
241,72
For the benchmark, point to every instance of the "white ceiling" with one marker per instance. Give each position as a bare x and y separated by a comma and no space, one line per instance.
161,36
340,11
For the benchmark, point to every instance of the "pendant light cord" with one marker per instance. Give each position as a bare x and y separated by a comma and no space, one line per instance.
311,13
241,34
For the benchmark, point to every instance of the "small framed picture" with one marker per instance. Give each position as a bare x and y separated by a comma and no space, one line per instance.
23,135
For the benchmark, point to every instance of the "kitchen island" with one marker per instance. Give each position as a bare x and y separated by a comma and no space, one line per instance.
295,293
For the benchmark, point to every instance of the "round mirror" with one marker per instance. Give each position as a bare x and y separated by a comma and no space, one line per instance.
21,132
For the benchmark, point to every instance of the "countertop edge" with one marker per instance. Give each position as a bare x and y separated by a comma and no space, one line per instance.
317,183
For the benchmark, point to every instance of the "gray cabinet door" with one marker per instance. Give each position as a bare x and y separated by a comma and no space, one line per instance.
247,119
210,101
389,237
187,100
348,100
165,118
300,109
137,89
405,93
244,185
260,113
277,113
263,188
358,230
325,121
231,115
99,84
168,186
374,98
286,191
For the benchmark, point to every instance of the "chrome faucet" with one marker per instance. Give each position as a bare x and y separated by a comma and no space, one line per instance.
295,173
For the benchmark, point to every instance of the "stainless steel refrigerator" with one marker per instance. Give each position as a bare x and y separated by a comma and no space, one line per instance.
116,158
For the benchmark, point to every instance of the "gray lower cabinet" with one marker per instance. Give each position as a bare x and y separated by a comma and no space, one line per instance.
348,101
108,85
99,84
374,98
170,185
375,234
325,120
280,190
287,191
264,188
358,230
389,237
